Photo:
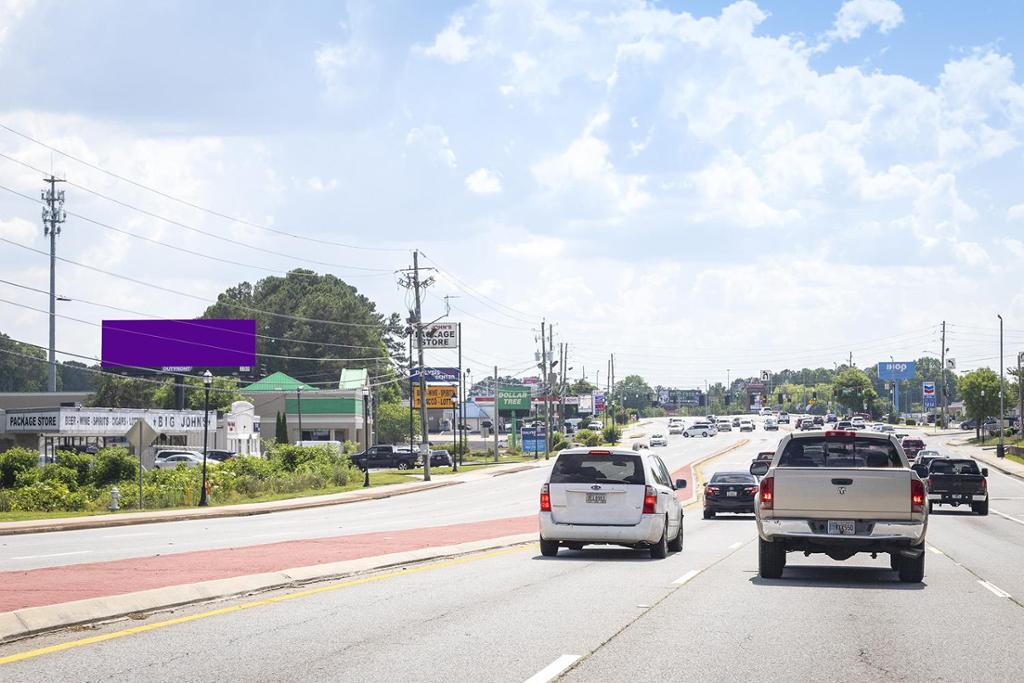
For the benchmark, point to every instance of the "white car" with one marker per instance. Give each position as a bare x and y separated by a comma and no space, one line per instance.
771,424
172,459
700,429
595,425
616,496
746,426
724,426
658,440
675,428
857,423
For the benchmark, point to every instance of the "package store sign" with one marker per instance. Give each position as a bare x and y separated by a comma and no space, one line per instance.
437,397
441,336
105,422
514,398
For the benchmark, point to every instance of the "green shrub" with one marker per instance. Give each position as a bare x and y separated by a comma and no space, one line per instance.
81,463
13,461
290,457
26,477
350,447
56,472
589,438
5,500
113,465
611,434
48,496
910,422
558,441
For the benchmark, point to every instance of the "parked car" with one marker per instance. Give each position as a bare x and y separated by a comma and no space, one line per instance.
658,440
171,459
969,424
220,455
396,457
958,482
700,429
595,425
729,492
746,426
610,497
441,458
840,493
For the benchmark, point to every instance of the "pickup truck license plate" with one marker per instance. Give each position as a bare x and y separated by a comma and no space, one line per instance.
597,498
731,494
842,527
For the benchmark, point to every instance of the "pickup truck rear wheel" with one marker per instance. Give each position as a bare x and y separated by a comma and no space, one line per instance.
894,561
771,559
548,548
911,569
980,508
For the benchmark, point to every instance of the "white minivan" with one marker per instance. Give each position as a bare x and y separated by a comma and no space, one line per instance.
613,496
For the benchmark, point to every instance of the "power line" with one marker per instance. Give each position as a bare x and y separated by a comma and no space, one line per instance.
481,297
191,228
193,205
221,300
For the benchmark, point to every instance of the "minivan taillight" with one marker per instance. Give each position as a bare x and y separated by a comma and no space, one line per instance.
768,493
545,499
650,500
916,495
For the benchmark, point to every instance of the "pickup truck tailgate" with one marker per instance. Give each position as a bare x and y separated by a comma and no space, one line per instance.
820,493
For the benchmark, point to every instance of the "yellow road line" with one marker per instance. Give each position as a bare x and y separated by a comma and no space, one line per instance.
60,647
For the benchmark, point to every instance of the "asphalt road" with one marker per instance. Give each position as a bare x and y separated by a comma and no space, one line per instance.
608,614
499,497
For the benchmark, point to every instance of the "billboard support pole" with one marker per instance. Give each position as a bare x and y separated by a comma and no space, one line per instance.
179,392
460,413
298,403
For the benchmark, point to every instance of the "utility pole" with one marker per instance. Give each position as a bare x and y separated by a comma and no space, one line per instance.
563,354
495,413
1020,392
1000,448
53,216
544,380
942,377
611,387
416,320
547,395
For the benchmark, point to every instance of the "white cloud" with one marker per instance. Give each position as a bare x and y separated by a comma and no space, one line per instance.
12,12
19,230
1015,247
971,253
1015,212
450,45
584,168
433,139
856,16
483,181
317,184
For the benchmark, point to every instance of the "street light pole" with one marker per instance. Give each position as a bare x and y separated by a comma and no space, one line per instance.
298,403
207,381
1000,449
366,437
455,432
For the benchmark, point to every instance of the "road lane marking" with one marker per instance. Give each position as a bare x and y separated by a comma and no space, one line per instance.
60,647
118,536
1003,514
735,545
997,591
40,557
935,550
686,577
552,670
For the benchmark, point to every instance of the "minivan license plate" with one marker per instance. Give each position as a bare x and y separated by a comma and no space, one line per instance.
842,527
597,498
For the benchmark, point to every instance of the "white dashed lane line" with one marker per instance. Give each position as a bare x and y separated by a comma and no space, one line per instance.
1006,516
686,577
552,670
995,590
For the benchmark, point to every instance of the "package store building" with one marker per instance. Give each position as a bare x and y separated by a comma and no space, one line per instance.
325,414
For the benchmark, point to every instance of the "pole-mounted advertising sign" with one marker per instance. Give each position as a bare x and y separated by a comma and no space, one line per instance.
514,398
441,336
438,396
897,370
928,394
438,375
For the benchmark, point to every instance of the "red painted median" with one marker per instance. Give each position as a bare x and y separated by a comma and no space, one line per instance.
54,585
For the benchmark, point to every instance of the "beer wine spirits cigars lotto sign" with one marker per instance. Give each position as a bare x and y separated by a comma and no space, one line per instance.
72,421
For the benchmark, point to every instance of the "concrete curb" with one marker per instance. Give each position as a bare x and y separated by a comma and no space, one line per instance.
37,526
35,620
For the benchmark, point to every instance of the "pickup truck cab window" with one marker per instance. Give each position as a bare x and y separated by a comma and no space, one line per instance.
840,452
954,467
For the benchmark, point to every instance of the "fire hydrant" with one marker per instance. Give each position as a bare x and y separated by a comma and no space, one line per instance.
115,499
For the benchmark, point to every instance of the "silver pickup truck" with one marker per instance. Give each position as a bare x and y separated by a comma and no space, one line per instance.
840,493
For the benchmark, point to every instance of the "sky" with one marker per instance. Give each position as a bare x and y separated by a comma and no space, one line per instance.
702,188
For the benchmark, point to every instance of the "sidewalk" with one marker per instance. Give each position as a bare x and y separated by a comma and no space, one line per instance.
33,526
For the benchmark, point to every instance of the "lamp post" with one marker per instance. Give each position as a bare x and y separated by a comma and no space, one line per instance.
455,431
981,425
207,382
298,403
1000,449
366,436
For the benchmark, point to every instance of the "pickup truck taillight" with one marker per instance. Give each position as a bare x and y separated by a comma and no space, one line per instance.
984,485
916,495
545,499
768,493
650,500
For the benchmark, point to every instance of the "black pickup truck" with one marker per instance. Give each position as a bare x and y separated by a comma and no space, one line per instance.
957,482
393,457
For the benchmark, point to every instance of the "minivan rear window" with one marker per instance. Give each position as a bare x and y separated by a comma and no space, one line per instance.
839,452
584,468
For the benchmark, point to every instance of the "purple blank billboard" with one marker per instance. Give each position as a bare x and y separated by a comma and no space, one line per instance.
179,343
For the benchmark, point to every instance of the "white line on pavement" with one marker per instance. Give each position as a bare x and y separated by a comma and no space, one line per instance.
552,670
935,550
39,557
686,577
998,592
1003,514
145,533
735,545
